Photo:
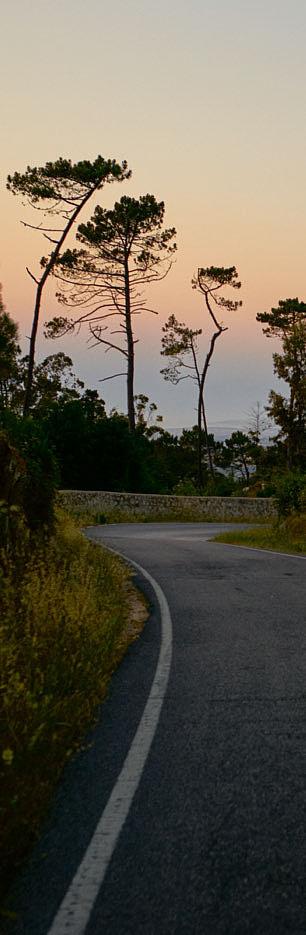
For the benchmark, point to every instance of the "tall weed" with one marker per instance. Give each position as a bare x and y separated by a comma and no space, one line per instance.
63,616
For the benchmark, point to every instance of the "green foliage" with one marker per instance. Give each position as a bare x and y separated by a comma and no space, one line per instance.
291,494
185,488
211,279
288,322
41,478
34,466
286,536
289,414
63,614
53,381
239,452
62,179
64,189
96,452
12,479
179,343
220,486
9,351
141,220
148,419
132,231
187,455
220,276
282,320
123,248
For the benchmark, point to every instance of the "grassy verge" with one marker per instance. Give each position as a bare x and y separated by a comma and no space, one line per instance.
95,517
67,617
286,536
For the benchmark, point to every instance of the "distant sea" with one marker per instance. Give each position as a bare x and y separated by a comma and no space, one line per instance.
221,430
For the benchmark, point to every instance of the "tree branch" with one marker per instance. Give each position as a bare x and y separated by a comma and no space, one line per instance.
32,276
103,380
38,227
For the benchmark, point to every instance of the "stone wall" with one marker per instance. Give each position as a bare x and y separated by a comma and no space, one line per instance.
167,506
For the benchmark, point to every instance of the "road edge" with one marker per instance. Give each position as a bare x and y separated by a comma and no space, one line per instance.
75,910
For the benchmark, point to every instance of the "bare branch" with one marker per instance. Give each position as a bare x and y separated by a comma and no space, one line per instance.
38,227
32,276
109,344
103,380
51,239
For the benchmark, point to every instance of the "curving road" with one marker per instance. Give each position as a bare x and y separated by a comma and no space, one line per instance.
205,832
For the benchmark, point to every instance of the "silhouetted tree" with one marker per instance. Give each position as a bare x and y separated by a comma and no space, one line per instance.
290,413
239,452
288,322
9,351
124,249
53,381
281,321
179,343
63,189
148,419
209,281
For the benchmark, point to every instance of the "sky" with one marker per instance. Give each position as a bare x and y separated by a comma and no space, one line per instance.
206,100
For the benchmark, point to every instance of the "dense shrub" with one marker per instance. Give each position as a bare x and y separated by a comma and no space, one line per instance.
30,472
12,478
291,494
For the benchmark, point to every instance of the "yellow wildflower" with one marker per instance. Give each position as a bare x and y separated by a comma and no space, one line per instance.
8,756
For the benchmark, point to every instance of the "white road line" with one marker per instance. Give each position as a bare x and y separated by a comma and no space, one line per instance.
74,912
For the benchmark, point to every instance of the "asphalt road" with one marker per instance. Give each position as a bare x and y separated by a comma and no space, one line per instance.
214,838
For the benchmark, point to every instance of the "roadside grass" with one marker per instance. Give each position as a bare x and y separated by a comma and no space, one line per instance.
89,517
287,535
68,614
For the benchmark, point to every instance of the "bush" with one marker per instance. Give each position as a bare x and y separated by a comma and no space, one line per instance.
30,474
290,494
13,472
185,488
221,486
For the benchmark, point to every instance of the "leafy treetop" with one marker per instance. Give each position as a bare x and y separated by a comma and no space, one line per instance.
132,224
178,342
211,279
283,319
129,233
9,348
65,183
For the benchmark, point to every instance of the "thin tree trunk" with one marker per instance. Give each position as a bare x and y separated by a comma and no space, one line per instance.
207,362
247,473
215,335
200,413
210,462
130,348
200,470
40,286
205,369
290,441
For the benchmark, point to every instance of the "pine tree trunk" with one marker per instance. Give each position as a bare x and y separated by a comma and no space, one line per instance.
130,348
40,286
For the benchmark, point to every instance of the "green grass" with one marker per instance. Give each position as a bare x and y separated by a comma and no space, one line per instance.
85,518
67,617
288,535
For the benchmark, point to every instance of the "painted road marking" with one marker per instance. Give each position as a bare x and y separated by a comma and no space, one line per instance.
75,910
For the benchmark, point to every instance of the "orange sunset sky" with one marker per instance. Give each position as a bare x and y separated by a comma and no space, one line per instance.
207,101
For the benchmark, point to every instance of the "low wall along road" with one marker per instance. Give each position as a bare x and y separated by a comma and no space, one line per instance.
157,506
